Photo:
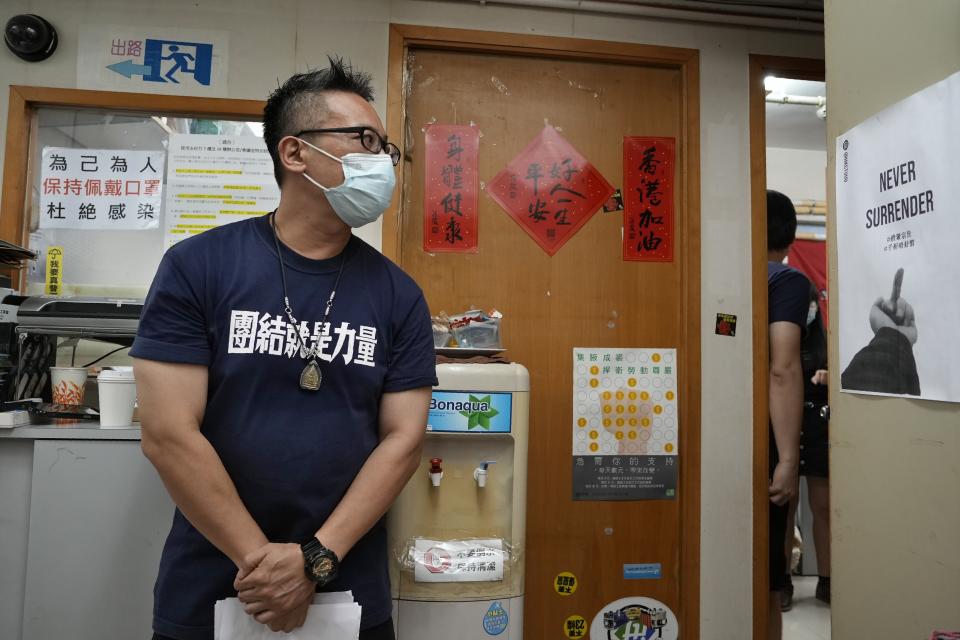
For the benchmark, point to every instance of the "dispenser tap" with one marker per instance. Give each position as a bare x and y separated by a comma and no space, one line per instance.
480,473
436,471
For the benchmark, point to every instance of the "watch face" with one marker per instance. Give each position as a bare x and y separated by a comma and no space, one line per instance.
322,568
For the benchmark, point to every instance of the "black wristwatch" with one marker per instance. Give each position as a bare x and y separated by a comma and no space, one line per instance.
319,563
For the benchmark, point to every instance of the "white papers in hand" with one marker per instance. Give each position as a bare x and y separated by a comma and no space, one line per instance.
332,616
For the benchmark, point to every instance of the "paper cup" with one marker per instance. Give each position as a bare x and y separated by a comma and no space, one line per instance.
118,395
67,384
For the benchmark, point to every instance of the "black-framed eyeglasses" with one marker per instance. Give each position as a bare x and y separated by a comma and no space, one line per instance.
371,140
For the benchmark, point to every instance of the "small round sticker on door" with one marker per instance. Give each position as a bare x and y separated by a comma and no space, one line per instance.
565,583
575,627
636,618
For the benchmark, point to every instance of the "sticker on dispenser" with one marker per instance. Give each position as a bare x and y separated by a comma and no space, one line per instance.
565,583
575,627
636,618
479,560
469,412
495,619
643,571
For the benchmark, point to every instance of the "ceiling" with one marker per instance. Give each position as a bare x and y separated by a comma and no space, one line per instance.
804,15
746,7
795,126
789,126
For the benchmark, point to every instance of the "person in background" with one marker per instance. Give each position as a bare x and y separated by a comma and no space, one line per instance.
814,453
788,302
284,369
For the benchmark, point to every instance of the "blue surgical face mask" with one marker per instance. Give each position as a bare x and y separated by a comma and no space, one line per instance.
368,182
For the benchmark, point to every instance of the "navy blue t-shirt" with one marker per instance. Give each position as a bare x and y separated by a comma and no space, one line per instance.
788,295
217,301
788,300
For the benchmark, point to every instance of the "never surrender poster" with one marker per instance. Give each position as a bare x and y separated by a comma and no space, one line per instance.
898,229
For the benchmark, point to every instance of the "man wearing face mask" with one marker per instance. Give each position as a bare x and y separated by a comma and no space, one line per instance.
284,370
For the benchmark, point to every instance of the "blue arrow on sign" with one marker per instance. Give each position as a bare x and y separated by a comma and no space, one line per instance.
128,68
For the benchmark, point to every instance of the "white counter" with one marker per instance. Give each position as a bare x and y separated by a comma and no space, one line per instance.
83,517
82,430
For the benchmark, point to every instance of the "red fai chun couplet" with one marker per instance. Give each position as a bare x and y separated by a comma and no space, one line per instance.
550,190
648,165
450,192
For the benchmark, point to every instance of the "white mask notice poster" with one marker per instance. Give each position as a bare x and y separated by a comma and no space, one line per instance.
898,220
100,189
213,180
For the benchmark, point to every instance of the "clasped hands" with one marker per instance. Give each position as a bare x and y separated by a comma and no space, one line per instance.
273,587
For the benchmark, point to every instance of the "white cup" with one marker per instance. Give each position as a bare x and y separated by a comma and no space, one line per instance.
67,384
118,395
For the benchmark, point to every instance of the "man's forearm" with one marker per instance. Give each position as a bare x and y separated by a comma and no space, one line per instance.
200,486
381,479
786,410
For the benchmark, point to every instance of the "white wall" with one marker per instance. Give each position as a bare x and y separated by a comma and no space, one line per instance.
895,476
799,173
271,40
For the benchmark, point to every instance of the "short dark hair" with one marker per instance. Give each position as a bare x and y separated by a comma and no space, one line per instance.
781,221
294,105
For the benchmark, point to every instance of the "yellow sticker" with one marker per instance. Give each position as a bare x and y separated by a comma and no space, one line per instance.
565,583
575,627
54,286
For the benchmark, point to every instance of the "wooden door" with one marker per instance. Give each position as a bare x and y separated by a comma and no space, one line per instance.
586,295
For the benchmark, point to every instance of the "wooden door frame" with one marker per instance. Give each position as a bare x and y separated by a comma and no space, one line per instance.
761,67
21,111
687,62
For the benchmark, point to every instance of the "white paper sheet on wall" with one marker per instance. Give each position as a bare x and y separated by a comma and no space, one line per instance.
100,189
897,228
214,180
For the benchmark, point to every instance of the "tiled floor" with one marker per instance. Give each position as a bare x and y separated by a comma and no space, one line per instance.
809,619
